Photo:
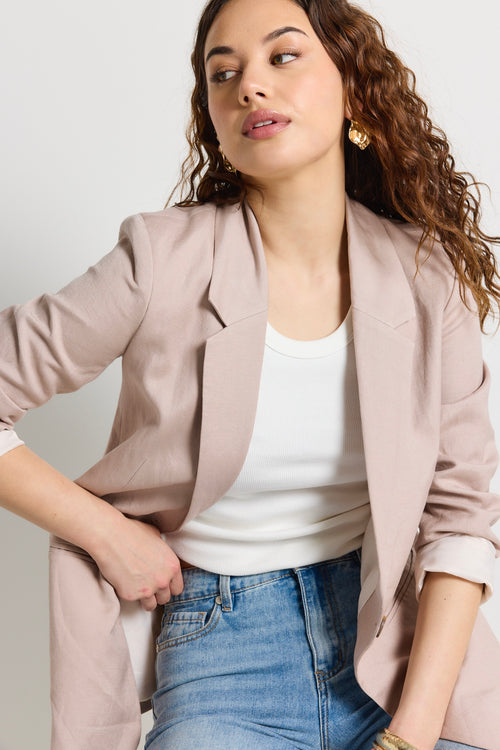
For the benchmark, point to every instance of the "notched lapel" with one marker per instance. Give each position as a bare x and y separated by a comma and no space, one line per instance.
233,356
379,286
383,313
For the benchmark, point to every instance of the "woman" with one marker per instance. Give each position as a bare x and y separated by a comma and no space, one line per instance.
306,499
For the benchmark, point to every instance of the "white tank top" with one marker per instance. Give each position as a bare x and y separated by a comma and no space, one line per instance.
301,496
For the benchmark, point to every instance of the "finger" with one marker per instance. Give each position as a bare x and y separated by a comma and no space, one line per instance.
177,583
149,603
163,595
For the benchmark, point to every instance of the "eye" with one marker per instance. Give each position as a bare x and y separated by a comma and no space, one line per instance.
222,75
282,58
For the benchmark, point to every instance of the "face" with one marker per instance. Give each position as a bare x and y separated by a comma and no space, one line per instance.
275,97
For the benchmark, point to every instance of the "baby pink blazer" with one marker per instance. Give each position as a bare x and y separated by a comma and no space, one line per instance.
183,299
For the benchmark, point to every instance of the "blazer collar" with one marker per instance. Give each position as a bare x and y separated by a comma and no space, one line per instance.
379,286
239,284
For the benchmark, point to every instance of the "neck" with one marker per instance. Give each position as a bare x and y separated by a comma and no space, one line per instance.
302,220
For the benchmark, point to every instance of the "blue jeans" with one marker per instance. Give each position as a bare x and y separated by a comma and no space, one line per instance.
264,662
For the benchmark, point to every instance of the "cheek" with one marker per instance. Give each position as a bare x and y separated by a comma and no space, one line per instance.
218,115
212,111
327,101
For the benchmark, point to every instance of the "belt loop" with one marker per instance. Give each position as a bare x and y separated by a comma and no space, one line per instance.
225,593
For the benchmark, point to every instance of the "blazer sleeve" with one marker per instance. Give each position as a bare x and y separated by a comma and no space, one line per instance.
460,501
472,558
56,343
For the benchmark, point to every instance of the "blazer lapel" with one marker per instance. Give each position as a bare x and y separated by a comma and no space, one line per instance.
233,356
381,303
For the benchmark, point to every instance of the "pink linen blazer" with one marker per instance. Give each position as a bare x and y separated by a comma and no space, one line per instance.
183,299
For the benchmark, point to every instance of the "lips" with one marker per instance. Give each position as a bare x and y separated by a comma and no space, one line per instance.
262,118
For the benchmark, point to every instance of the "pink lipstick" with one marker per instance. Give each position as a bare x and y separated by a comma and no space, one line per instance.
264,123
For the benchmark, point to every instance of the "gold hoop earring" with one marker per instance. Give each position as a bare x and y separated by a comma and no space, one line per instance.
227,164
358,135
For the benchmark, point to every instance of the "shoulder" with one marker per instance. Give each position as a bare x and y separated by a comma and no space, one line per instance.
158,237
178,223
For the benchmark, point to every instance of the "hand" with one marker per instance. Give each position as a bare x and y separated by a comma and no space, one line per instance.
138,563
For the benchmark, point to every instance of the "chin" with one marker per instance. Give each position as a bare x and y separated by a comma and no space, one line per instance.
281,170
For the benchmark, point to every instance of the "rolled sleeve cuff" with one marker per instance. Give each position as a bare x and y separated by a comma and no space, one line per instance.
8,440
472,558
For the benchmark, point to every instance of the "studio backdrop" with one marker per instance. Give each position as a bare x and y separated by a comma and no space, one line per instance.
94,106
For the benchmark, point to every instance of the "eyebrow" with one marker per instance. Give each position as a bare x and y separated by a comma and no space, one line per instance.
224,50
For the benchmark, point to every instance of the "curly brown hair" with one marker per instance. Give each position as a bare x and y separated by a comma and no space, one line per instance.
407,173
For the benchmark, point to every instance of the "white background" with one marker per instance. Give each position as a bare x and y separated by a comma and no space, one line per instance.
94,102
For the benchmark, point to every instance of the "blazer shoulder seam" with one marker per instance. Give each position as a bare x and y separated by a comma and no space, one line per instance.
145,231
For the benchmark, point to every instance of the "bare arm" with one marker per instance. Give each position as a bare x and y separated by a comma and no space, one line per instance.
131,555
447,611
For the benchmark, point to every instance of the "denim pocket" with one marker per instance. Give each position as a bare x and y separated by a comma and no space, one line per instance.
184,621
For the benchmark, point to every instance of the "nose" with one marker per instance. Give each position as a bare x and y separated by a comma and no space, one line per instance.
253,86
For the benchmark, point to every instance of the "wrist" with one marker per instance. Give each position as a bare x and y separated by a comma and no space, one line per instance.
422,732
98,526
387,740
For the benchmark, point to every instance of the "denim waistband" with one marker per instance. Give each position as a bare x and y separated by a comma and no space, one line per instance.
200,583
